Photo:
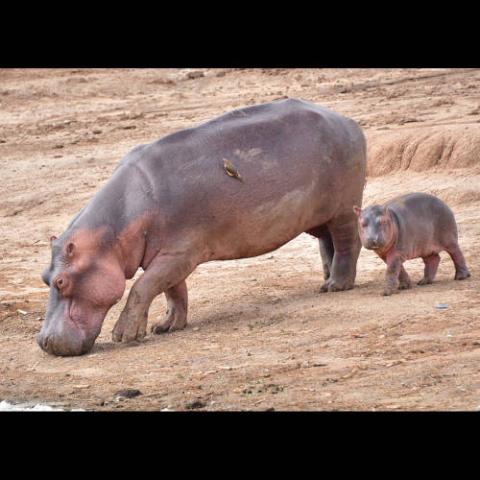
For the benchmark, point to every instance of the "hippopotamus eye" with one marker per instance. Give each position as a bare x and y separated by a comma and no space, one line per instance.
70,249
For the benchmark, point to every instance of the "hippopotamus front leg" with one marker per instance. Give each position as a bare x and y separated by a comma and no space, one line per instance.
346,243
394,267
431,266
163,273
177,306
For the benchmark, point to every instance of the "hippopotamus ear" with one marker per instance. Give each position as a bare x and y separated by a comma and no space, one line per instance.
357,210
52,238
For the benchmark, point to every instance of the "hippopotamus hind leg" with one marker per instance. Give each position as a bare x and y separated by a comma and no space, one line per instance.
326,248
461,270
177,306
346,243
327,251
431,266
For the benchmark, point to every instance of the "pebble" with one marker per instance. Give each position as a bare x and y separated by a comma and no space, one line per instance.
193,75
441,306
128,393
195,405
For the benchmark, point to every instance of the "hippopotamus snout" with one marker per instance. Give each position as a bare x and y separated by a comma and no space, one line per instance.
63,345
372,243
60,335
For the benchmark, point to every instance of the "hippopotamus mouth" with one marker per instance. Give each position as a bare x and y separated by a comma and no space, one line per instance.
64,332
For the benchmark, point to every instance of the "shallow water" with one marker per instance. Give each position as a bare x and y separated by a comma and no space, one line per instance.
25,407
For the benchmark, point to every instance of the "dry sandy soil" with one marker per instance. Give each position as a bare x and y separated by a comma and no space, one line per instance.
260,335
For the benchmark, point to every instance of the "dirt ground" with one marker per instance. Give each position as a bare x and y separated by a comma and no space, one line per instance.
260,336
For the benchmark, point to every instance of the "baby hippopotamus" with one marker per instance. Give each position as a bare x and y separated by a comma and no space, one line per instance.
411,226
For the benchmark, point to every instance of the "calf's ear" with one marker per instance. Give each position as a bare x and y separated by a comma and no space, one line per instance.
357,210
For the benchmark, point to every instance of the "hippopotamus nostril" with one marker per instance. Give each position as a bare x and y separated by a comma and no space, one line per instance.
42,341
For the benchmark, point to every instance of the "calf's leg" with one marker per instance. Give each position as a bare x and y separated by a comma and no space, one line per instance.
461,270
430,270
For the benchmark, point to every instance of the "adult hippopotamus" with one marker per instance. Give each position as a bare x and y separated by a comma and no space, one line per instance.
415,225
237,186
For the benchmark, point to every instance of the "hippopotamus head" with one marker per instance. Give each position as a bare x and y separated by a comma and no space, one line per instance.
375,226
85,279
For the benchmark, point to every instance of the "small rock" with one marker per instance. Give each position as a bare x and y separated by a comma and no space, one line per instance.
441,306
21,312
58,146
196,74
270,409
196,404
96,132
128,393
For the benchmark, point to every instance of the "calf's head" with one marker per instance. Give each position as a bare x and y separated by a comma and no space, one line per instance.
85,279
375,226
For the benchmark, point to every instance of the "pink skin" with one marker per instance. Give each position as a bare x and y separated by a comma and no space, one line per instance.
384,248
83,287
396,277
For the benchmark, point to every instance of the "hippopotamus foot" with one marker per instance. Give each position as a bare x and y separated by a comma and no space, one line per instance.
161,274
130,326
331,286
462,275
394,271
340,248
391,289
177,305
